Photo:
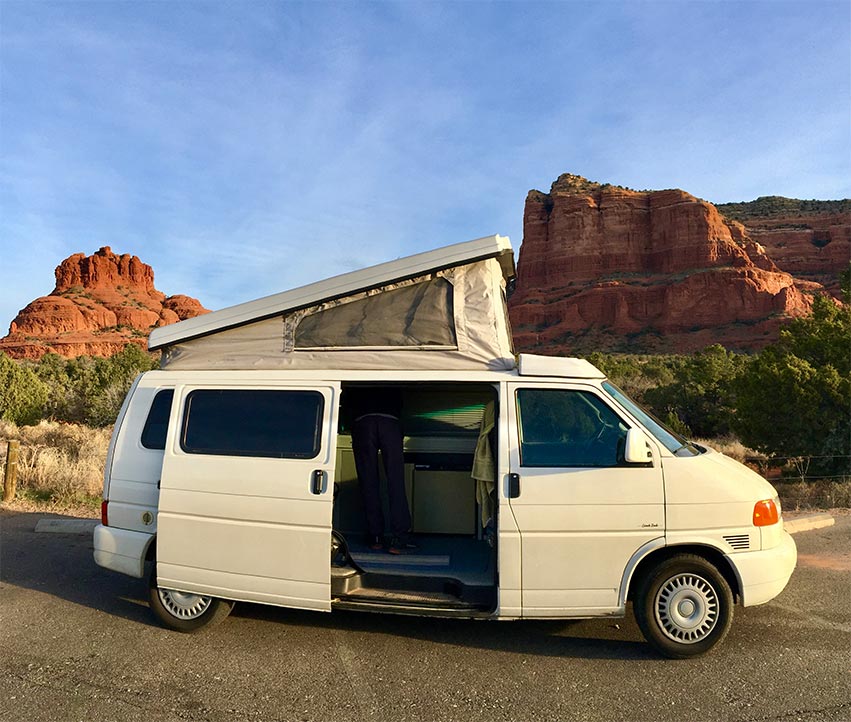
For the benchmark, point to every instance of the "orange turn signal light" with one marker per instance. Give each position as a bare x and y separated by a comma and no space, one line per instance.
765,513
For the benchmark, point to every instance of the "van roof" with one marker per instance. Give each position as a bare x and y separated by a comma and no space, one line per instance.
545,368
495,246
563,367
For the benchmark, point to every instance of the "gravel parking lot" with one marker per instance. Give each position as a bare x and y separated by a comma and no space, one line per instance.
79,643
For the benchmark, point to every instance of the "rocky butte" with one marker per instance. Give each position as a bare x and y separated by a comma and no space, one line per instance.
100,304
809,239
608,268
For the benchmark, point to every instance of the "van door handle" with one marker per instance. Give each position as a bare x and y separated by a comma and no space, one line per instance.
513,486
318,479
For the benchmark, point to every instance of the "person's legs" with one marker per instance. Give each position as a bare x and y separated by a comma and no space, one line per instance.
391,443
365,447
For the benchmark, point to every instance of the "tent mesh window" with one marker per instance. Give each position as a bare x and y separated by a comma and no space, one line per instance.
420,315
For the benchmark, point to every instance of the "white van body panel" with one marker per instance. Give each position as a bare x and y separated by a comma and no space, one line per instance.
135,470
248,528
580,527
568,546
710,501
640,555
510,604
119,421
711,491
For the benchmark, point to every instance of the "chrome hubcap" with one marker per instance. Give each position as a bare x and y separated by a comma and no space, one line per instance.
183,605
686,608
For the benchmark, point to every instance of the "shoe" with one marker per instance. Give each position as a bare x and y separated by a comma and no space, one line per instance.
375,542
401,545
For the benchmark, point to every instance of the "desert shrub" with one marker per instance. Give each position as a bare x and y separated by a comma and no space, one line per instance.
794,397
22,394
691,394
699,398
61,377
90,390
797,495
636,373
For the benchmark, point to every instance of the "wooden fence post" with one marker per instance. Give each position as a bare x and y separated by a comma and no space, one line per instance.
11,475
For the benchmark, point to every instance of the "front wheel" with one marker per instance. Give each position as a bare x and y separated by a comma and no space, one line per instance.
184,611
683,606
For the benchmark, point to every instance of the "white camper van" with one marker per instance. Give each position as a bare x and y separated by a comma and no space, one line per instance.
536,487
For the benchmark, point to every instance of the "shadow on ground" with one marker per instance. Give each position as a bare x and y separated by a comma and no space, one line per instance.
62,565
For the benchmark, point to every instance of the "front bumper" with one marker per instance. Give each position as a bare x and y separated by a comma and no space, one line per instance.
764,574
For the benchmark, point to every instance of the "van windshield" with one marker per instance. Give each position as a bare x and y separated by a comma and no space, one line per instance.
672,441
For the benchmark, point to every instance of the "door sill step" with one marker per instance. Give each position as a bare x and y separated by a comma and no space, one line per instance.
458,609
403,596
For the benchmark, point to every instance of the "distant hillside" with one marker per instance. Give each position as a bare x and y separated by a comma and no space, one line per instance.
772,206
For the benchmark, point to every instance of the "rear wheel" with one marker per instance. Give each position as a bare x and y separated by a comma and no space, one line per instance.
684,606
184,611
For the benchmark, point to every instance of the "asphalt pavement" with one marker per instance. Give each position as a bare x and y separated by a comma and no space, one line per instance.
78,642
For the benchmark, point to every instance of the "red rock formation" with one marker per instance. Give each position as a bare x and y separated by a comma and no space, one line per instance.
607,268
812,242
100,303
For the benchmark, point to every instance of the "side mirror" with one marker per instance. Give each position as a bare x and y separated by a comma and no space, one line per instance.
637,451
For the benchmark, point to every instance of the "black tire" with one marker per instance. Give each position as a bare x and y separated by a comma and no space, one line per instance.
683,606
185,612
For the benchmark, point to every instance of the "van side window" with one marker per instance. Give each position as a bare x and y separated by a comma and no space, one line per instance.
563,428
156,425
275,424
418,315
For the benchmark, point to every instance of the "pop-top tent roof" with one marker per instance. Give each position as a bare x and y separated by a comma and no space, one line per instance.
443,309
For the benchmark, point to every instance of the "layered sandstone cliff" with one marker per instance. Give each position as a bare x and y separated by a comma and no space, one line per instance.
809,239
608,268
100,303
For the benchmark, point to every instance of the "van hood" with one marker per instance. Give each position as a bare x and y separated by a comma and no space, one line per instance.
738,472
712,478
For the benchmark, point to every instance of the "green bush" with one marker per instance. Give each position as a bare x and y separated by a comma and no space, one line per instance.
794,397
22,394
791,401
90,390
637,373
700,399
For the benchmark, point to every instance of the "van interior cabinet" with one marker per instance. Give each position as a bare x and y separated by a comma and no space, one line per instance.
442,500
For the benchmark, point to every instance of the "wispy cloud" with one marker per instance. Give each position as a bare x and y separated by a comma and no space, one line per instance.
242,149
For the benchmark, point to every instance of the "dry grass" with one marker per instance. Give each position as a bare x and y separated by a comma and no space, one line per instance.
801,495
733,448
795,495
60,465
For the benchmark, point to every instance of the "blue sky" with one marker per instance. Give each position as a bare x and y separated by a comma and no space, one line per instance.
244,148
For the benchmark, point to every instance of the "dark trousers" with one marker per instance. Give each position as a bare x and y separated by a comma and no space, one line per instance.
371,434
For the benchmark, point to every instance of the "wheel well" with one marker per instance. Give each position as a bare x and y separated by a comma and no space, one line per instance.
713,556
151,552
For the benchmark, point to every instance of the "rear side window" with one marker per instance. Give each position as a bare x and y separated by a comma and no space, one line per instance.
276,424
156,425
